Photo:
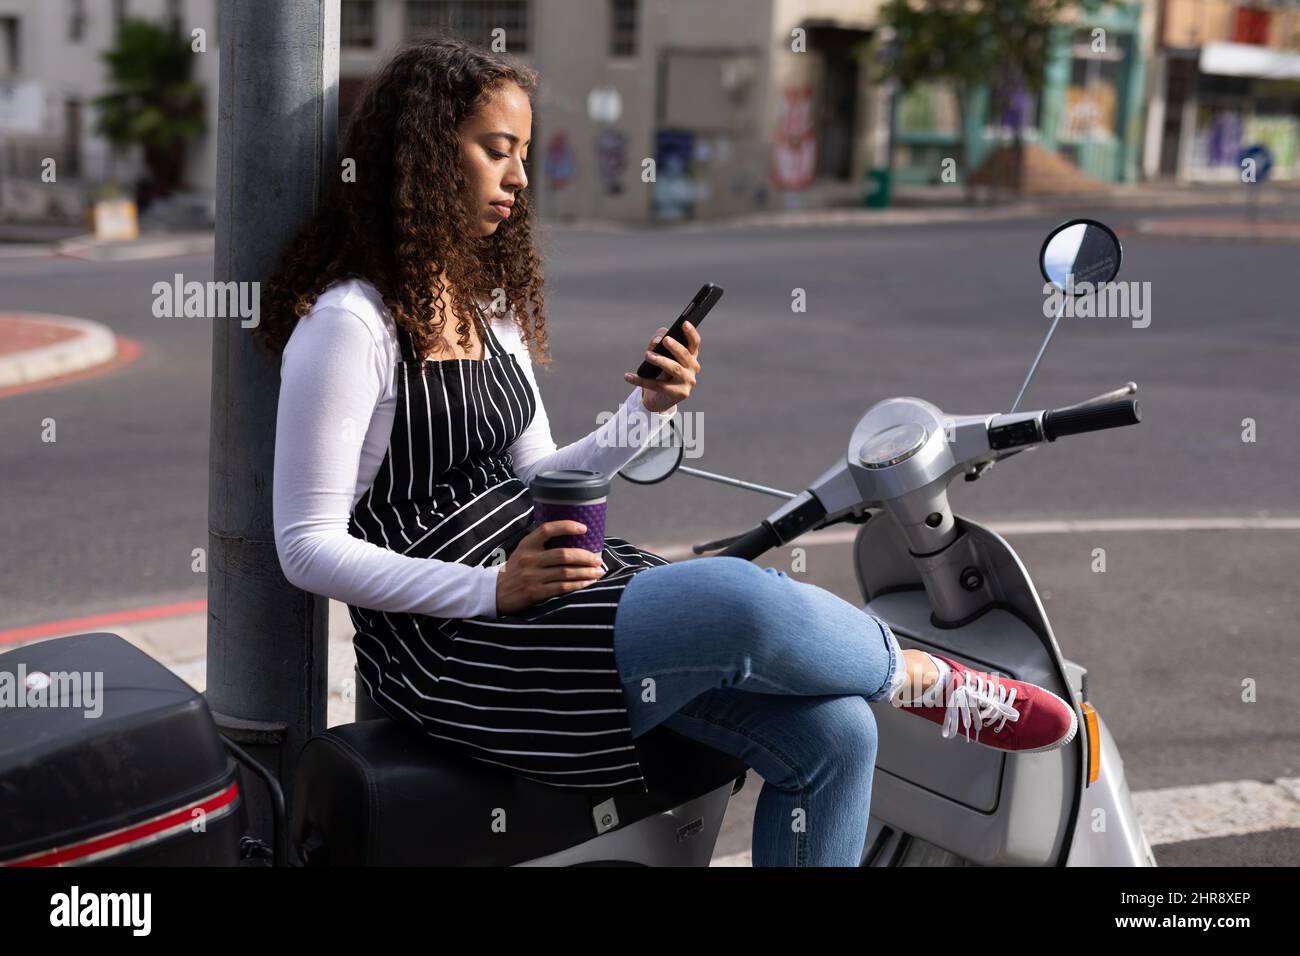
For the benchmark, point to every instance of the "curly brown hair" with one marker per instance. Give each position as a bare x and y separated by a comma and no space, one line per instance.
403,225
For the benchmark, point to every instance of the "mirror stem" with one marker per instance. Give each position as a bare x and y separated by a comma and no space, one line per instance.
1038,358
774,492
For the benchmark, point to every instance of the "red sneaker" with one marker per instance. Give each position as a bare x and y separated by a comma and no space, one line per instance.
1022,717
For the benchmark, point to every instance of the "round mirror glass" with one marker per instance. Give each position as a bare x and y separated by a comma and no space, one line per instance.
1078,251
657,460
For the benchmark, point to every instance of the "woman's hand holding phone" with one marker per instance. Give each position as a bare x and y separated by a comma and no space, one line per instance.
678,375
532,573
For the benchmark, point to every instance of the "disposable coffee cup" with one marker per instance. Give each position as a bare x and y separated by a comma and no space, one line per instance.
571,494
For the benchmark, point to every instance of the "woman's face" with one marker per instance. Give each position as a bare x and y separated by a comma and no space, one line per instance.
493,144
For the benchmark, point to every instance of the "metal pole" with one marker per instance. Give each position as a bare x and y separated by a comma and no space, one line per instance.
276,141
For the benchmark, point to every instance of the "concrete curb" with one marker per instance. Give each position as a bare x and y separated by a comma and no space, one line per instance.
92,345
146,247
25,250
1027,209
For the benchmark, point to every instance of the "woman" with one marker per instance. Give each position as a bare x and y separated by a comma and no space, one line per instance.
401,467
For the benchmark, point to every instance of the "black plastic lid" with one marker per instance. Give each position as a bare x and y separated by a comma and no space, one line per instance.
569,484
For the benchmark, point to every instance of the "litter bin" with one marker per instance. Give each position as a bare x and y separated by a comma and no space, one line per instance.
877,195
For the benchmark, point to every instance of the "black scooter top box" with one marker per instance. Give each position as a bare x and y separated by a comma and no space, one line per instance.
107,756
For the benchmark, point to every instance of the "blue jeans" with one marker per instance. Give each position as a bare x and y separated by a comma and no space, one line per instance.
777,673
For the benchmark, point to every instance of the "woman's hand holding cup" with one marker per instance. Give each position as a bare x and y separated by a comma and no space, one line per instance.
533,572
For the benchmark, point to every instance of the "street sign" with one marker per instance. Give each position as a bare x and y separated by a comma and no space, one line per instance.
604,105
1263,159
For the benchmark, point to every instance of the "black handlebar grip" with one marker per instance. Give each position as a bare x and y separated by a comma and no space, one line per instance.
1090,418
752,543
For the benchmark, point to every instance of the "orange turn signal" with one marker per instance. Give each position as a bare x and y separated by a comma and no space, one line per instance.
1094,742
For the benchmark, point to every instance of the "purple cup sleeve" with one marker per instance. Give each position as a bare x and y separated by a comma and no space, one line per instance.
593,516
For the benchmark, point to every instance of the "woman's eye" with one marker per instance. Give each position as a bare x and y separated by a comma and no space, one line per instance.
495,155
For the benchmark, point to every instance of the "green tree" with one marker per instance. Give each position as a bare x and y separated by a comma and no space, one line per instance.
152,102
1001,44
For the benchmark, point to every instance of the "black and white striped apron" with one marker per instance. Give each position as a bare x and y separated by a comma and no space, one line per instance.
536,692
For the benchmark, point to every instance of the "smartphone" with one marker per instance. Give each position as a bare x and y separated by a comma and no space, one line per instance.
694,313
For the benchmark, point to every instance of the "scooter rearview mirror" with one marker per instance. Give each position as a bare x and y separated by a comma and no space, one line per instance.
657,460
1077,251
1087,250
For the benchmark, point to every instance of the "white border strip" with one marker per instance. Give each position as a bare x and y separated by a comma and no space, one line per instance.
1202,812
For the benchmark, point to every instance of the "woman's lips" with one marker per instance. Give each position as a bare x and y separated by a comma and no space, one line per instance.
503,211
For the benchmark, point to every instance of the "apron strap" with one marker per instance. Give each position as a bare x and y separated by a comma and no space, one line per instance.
493,344
404,340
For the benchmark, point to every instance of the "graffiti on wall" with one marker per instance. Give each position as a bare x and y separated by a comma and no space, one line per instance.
611,160
674,187
558,163
1089,113
794,147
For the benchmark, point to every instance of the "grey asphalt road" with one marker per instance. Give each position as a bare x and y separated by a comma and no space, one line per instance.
107,516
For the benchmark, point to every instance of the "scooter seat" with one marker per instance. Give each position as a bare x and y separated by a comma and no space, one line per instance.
379,793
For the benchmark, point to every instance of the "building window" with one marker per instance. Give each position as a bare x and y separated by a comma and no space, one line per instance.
10,48
357,23
119,15
622,27
1251,26
174,14
76,20
472,20
71,138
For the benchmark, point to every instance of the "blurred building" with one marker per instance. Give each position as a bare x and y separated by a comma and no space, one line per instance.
51,69
1225,76
673,109
1089,107
731,105
736,104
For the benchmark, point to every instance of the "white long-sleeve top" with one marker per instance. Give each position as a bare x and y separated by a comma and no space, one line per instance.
338,398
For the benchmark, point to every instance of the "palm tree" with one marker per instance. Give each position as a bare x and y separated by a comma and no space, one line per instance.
152,102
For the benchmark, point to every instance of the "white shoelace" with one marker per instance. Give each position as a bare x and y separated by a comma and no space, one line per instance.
979,705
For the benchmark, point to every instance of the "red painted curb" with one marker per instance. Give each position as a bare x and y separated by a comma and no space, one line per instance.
92,622
128,350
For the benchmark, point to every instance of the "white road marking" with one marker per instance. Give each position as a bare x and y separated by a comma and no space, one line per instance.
840,535
733,859
1234,808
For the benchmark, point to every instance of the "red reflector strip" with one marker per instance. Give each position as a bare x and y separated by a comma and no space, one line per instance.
127,838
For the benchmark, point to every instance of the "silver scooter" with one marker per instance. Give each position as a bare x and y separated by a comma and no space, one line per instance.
376,792
947,584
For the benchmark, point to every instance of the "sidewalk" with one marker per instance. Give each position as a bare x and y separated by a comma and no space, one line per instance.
841,204
180,643
32,242
831,203
1260,228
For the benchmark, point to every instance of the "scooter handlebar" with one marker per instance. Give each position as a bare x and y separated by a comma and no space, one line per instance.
1090,418
752,543
800,514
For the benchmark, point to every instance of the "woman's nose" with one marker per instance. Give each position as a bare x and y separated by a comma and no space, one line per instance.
517,178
